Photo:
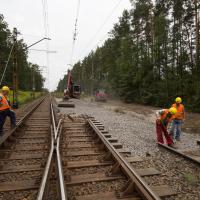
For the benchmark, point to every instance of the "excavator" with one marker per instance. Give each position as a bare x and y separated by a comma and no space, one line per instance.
72,91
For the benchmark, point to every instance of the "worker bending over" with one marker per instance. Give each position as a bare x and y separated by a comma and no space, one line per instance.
178,119
163,118
5,109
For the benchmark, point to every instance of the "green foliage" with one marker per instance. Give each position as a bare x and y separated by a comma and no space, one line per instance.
192,179
24,96
151,56
25,71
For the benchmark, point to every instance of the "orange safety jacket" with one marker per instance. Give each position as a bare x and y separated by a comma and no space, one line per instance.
4,104
166,118
180,111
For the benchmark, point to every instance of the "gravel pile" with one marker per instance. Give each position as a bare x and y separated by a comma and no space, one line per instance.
135,131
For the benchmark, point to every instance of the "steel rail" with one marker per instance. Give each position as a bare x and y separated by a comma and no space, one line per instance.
59,125
144,190
53,122
53,155
61,183
179,153
62,194
43,190
20,122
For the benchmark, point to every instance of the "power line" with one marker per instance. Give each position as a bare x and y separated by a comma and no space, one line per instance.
31,35
46,33
101,40
75,32
45,18
101,27
43,50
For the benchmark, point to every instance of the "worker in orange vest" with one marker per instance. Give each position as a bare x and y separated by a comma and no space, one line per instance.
178,119
163,118
5,109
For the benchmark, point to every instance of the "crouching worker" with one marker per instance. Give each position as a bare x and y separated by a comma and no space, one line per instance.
5,109
163,118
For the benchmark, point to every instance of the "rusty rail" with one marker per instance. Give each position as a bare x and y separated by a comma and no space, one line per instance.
179,153
134,179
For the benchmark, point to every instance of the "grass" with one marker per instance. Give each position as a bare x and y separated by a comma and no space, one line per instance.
58,94
24,96
191,179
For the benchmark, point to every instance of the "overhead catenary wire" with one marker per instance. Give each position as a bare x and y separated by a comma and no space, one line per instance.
100,29
101,40
43,50
46,34
45,17
31,35
75,32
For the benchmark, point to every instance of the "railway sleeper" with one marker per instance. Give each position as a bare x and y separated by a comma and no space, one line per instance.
91,178
87,163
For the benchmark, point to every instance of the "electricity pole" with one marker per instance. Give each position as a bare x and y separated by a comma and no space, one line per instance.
15,70
92,78
33,81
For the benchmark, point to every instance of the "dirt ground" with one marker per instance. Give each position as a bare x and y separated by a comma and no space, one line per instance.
191,124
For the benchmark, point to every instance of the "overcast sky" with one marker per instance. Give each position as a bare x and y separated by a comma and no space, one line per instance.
27,16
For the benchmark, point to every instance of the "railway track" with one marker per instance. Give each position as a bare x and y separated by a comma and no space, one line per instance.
72,158
26,157
96,166
21,113
192,155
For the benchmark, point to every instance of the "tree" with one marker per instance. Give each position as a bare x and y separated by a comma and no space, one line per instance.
151,55
24,70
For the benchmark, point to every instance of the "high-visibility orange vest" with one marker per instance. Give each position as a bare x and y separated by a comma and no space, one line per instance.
180,111
4,105
165,119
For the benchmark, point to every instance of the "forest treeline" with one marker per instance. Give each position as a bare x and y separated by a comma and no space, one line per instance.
151,56
26,70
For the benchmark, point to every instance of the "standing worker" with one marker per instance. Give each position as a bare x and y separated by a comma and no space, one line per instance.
5,109
163,118
178,119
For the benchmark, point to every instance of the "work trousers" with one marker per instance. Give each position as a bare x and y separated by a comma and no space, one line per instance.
3,115
176,129
161,130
